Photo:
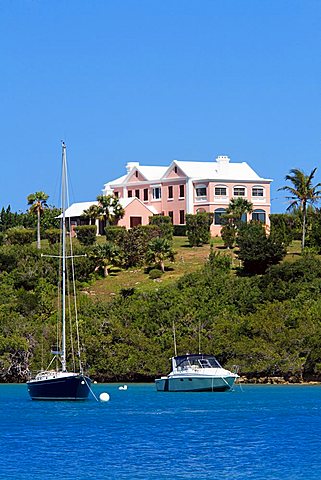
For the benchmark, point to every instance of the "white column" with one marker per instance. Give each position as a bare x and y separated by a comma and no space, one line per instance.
189,197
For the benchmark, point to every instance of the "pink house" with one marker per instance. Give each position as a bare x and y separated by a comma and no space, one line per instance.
189,187
136,213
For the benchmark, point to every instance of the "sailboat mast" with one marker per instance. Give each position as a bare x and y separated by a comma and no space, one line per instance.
63,254
174,338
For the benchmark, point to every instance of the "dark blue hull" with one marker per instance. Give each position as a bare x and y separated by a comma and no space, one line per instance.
64,388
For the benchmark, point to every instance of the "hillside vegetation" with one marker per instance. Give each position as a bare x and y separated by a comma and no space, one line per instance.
269,325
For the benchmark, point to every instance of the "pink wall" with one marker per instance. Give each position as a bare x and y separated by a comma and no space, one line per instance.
177,204
135,209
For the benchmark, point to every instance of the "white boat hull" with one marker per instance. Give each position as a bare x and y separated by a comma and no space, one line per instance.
195,383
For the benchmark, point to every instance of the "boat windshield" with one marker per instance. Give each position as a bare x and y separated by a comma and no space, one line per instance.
198,361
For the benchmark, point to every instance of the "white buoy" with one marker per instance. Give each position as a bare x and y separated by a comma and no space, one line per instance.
124,387
104,397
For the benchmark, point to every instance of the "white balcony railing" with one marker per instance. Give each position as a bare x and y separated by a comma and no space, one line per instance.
201,199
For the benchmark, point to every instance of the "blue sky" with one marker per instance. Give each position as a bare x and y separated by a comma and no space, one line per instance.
152,81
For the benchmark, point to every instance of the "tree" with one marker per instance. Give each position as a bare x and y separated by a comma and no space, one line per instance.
38,202
198,228
110,209
8,219
314,237
233,219
134,244
302,193
165,225
158,251
257,250
86,234
236,210
283,226
106,256
92,213
228,234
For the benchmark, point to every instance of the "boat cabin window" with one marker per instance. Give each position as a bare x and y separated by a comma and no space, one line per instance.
204,363
198,361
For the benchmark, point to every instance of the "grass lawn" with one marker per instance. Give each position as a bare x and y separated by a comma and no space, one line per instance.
187,259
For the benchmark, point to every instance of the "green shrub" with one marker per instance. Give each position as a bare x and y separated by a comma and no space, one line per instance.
257,251
217,261
155,273
20,236
135,244
179,231
228,234
165,225
53,235
115,234
86,234
198,228
283,227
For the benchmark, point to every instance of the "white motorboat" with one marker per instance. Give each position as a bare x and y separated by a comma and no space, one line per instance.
196,373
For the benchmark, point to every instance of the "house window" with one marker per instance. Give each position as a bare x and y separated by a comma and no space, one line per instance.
218,216
220,191
181,217
259,215
136,174
137,193
181,191
116,194
145,194
239,191
170,192
257,192
130,193
200,192
171,216
175,169
157,193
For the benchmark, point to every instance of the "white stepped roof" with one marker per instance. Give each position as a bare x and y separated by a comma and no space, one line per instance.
218,170
152,173
117,181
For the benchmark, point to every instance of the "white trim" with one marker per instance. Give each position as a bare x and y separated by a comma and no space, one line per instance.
156,199
189,195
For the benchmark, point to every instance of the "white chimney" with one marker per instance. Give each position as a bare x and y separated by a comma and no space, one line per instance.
107,190
131,165
222,159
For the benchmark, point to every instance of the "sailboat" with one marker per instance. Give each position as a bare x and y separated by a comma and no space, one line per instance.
59,383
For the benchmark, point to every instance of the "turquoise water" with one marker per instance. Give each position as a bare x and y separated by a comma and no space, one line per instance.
257,432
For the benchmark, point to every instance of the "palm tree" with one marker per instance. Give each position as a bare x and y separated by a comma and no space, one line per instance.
159,249
110,209
92,213
106,256
38,202
302,193
237,207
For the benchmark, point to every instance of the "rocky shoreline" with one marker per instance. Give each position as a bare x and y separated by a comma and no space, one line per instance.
293,380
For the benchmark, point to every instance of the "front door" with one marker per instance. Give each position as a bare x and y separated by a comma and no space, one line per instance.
134,221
